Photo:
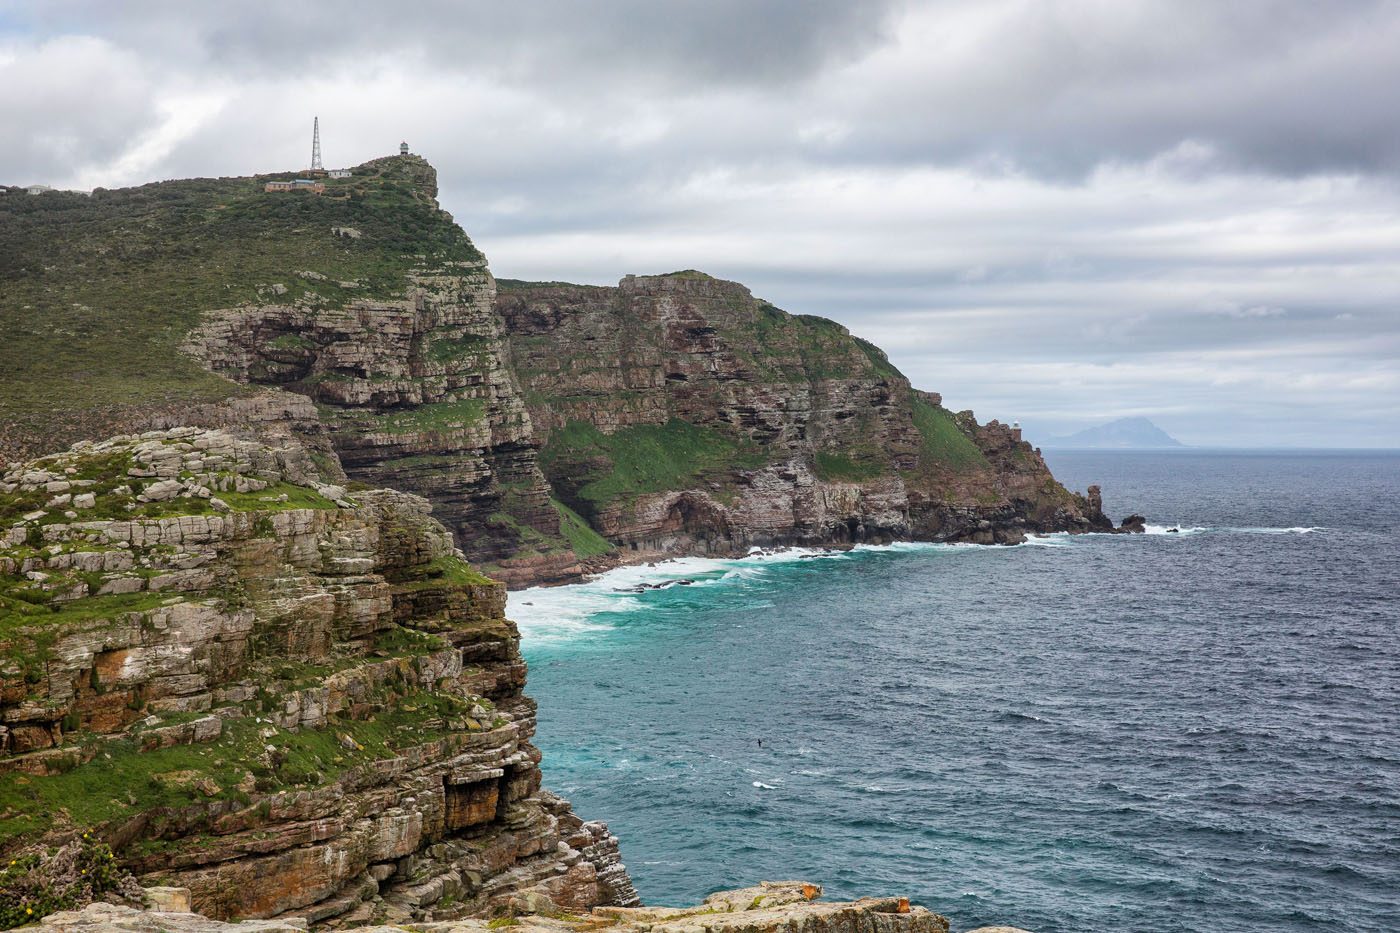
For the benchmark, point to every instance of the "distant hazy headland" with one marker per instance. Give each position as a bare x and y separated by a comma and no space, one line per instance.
1126,433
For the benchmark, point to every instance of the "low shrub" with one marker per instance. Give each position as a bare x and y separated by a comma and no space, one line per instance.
42,880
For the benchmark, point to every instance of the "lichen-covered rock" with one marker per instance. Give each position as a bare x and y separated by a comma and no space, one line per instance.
414,394
784,907
305,701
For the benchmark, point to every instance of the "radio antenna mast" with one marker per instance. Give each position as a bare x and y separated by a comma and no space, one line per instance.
316,143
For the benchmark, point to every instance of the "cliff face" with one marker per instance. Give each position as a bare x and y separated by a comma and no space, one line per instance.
678,413
413,393
282,695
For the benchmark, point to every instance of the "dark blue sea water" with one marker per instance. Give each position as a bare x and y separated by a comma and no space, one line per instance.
1191,731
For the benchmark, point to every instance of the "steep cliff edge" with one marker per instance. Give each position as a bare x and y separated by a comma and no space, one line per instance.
288,697
202,301
679,414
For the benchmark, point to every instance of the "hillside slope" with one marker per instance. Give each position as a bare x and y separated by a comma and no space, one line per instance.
553,427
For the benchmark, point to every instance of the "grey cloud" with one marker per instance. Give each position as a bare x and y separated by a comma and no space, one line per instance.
70,101
1057,211
675,43
1054,88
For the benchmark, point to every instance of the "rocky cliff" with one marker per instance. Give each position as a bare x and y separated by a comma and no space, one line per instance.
213,302
679,414
288,697
553,428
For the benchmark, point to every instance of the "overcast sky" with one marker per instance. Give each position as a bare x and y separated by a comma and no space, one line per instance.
1062,212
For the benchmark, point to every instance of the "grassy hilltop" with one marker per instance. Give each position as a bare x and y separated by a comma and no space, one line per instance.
97,293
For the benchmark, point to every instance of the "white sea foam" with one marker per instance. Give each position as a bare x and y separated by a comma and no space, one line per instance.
564,613
549,614
1188,530
1176,529
913,546
1055,539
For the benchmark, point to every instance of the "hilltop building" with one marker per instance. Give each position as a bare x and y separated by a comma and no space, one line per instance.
296,184
403,149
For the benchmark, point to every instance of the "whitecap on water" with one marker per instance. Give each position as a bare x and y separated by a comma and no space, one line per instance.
1056,539
1188,530
550,614
1181,530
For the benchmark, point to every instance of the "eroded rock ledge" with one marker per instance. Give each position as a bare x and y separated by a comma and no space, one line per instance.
289,697
769,908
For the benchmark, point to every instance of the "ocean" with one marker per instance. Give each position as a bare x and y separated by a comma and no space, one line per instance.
1186,730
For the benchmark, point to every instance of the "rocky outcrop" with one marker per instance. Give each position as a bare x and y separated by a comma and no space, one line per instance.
287,696
802,433
782,907
414,393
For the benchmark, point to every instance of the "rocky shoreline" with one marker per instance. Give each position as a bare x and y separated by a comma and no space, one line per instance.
596,567
770,907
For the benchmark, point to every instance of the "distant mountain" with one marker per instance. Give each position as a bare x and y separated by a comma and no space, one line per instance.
1124,433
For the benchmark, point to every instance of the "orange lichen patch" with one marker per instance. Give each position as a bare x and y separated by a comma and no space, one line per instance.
109,665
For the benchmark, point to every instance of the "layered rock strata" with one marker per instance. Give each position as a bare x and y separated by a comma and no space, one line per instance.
414,393
288,697
796,432
784,907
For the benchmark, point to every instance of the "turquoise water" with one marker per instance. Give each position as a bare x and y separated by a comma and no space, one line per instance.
1196,730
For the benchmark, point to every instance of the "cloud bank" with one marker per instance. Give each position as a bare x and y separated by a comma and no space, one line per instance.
1061,212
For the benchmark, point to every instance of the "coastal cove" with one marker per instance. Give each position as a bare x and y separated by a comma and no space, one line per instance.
1187,730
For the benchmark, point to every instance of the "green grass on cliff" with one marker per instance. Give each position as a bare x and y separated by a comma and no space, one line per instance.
110,507
583,539
595,469
97,293
436,417
842,467
944,444
442,570
124,781
878,358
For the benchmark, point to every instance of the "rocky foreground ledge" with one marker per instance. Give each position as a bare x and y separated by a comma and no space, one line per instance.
788,906
219,673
